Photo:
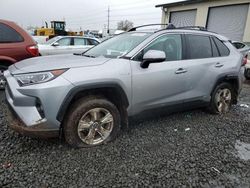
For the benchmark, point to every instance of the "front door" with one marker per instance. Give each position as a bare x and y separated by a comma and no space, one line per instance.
162,83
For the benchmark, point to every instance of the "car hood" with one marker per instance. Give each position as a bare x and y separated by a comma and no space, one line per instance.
55,62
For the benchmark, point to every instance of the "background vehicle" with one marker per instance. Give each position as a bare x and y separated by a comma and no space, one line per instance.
57,28
245,50
15,45
41,39
90,96
247,70
67,45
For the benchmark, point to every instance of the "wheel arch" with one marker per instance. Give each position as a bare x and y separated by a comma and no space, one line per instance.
231,79
112,91
6,61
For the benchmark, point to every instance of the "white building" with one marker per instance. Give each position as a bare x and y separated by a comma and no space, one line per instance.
227,17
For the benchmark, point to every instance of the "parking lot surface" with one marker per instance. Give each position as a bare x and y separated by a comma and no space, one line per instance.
187,149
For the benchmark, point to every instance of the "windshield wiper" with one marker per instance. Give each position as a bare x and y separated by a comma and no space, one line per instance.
88,55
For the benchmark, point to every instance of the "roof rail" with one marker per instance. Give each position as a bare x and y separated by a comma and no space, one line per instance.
168,26
201,28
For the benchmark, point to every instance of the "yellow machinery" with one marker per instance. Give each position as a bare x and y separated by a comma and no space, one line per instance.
57,28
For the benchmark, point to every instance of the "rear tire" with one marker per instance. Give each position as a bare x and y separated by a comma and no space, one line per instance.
221,99
91,121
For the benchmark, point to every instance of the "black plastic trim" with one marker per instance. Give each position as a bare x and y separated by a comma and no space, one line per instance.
73,92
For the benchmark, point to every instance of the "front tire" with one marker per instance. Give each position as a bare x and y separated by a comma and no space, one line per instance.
221,99
2,79
91,121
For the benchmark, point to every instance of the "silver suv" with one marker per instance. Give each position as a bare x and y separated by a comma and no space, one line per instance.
88,97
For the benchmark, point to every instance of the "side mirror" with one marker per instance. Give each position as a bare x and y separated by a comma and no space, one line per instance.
55,44
152,56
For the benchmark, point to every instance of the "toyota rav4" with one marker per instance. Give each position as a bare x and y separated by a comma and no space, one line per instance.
88,97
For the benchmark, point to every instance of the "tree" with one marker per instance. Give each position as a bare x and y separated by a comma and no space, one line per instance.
124,25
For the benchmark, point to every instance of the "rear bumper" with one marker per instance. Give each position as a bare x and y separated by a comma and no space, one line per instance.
38,130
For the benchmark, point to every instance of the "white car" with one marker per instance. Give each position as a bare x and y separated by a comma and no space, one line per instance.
245,50
41,39
67,45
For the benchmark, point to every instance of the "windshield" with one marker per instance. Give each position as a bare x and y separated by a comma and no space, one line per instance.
117,46
52,40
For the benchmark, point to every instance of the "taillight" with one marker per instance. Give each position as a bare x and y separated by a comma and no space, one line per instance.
244,61
33,50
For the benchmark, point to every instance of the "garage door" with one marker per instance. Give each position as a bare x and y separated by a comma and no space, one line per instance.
228,20
183,18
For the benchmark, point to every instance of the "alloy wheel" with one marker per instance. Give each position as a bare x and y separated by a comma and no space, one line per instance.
95,126
223,99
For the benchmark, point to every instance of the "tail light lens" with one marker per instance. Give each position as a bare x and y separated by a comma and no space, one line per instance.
33,50
244,61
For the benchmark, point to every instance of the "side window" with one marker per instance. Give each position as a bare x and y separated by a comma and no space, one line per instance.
64,42
214,49
199,47
170,44
223,50
79,42
9,35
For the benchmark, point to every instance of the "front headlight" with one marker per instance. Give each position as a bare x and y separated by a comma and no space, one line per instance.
37,77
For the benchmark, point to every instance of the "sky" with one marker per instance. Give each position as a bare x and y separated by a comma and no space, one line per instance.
81,14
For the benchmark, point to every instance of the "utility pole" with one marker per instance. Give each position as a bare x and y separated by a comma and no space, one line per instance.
108,20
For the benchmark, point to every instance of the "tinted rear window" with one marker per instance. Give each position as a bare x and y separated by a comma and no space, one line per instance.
214,49
9,35
223,50
199,47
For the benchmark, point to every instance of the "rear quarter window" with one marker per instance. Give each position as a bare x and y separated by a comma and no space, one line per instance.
9,35
223,50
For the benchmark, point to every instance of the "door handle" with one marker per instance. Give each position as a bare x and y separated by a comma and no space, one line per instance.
218,65
180,71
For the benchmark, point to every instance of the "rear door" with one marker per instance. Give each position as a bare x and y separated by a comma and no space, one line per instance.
80,45
65,46
204,63
160,84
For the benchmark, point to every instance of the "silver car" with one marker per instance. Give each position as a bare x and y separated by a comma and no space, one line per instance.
67,45
88,98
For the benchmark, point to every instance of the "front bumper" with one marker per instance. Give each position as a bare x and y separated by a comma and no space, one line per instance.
38,130
32,109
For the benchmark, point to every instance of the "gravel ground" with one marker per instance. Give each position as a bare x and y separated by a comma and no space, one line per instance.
188,149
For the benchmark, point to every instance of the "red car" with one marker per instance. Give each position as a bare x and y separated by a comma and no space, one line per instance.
15,45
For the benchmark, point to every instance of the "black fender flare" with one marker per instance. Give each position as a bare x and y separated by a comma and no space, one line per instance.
78,89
